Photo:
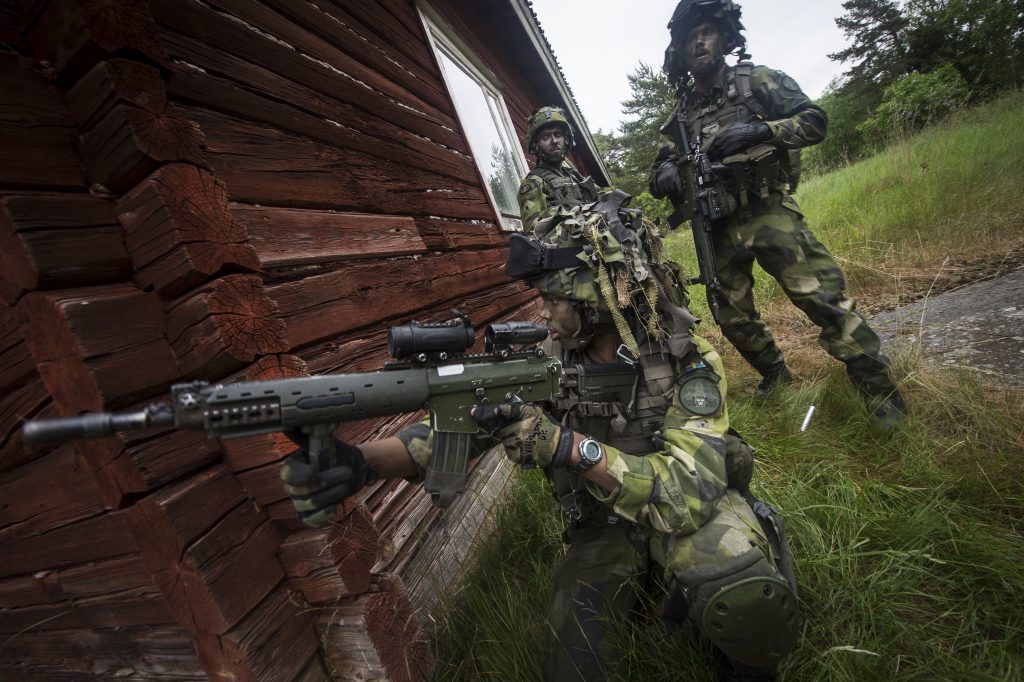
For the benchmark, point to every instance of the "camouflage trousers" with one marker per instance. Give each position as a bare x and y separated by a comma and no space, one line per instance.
776,236
611,572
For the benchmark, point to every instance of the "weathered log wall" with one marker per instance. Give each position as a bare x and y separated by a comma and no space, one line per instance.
226,189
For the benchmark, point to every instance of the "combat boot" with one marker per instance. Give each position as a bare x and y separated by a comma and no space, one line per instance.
890,410
774,377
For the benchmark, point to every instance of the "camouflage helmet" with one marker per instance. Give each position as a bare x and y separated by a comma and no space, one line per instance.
689,13
607,259
543,117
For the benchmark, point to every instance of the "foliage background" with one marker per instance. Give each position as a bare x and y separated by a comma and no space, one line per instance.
917,60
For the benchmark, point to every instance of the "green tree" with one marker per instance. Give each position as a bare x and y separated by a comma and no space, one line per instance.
847,105
982,39
610,147
646,110
876,29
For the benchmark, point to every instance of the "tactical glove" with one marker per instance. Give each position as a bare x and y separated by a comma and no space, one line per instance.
531,437
667,182
737,138
316,494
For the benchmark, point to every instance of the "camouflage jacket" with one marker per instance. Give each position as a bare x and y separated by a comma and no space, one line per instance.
794,119
544,189
673,489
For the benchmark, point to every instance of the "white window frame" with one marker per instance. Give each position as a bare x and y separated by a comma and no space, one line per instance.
445,40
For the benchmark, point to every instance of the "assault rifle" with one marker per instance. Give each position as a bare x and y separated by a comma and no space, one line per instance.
698,174
431,371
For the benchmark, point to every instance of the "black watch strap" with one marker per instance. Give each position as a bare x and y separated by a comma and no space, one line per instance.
563,455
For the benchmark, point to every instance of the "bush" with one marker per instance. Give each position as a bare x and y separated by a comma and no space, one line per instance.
914,101
846,106
655,210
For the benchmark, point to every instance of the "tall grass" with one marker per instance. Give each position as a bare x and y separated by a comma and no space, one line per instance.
954,189
909,545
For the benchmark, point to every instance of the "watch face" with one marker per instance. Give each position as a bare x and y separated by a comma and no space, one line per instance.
590,451
700,395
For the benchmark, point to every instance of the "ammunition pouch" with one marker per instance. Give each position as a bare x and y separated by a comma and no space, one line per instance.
757,172
726,188
739,462
606,391
588,188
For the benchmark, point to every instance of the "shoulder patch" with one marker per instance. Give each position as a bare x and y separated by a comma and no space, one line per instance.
699,392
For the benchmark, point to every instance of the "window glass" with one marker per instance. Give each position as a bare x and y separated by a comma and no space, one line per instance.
488,129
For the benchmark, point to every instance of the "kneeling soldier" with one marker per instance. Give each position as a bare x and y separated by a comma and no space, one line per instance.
653,480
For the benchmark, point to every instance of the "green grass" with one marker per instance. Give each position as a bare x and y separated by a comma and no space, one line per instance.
953,189
909,546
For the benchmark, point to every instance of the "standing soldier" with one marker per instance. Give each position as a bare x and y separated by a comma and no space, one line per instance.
554,181
750,120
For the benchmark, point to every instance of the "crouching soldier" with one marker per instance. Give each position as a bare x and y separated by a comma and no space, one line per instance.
652,479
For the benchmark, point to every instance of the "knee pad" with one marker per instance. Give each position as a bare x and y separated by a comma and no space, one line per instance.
744,607
753,621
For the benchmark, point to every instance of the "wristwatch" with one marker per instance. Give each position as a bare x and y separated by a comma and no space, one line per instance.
591,452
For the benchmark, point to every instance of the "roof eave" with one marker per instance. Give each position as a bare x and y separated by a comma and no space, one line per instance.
526,16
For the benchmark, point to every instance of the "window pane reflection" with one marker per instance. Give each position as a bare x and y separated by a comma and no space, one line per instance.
490,141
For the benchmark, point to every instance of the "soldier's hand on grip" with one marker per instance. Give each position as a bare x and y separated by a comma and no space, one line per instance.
315,494
530,436
667,182
737,138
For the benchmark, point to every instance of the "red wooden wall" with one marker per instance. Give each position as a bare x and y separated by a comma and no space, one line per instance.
224,189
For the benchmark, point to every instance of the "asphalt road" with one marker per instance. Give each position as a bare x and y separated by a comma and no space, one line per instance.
979,326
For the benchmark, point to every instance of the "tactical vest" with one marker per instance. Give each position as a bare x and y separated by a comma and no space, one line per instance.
655,375
741,105
569,189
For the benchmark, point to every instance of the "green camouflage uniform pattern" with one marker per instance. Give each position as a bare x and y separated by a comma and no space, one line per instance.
671,518
539,198
675,489
771,231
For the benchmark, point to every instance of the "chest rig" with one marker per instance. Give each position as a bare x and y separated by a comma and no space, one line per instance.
622,405
568,188
763,168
